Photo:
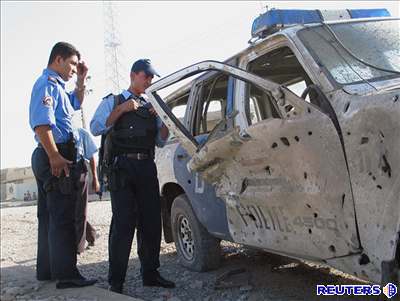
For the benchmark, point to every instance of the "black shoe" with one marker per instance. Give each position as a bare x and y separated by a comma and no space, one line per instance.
157,280
116,288
78,282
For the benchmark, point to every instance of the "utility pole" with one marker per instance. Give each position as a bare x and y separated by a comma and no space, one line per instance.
115,77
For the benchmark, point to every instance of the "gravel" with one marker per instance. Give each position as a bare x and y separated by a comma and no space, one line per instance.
259,280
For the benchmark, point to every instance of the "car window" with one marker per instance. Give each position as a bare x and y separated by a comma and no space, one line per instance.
280,66
211,104
178,107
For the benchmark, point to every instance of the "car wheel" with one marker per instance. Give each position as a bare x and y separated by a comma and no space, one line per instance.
197,249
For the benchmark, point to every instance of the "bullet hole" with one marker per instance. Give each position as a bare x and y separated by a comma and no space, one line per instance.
346,107
305,175
379,186
294,113
285,141
343,197
386,167
288,108
364,259
308,110
381,134
373,178
308,205
309,133
332,248
346,226
370,173
348,133
309,231
245,183
395,98
268,170
296,138
274,145
364,140
315,215
252,217
189,181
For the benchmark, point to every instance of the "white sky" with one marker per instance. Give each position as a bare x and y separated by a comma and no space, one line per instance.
172,34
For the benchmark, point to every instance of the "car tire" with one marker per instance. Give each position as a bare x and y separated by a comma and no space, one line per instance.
197,249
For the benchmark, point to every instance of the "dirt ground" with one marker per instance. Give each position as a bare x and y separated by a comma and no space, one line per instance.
259,275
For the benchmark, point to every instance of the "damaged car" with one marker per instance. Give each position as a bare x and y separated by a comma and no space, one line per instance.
291,146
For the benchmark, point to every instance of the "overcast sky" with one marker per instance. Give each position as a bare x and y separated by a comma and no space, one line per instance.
172,34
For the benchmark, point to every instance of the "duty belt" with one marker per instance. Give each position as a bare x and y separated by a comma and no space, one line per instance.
136,156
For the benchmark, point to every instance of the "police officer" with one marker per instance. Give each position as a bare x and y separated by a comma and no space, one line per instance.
54,165
135,198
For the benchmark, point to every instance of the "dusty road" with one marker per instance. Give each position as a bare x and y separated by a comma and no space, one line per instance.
261,276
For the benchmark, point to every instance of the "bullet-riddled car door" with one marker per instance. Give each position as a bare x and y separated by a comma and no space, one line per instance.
284,179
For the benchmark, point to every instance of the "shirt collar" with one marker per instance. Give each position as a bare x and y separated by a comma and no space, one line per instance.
51,73
126,94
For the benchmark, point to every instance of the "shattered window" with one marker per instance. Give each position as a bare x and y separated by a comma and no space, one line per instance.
280,66
211,104
376,43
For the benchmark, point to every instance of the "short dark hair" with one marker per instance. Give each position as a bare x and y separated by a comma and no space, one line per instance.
63,49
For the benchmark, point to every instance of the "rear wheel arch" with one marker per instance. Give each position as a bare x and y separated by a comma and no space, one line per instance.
169,192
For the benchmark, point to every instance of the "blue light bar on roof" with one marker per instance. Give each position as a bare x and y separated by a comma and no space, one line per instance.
368,13
274,19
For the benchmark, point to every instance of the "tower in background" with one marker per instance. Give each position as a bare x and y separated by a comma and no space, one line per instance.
116,78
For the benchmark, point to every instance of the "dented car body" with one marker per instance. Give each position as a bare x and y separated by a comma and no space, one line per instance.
291,146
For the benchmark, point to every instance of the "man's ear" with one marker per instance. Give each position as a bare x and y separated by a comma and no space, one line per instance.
58,60
133,75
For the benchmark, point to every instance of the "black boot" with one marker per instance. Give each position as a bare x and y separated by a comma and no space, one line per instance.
116,288
78,282
155,279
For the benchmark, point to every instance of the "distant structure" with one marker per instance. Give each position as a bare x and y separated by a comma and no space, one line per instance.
114,70
16,183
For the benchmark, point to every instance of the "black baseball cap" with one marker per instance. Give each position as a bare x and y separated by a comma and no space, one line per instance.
144,65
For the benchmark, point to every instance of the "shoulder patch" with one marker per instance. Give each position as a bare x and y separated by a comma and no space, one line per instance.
47,101
52,79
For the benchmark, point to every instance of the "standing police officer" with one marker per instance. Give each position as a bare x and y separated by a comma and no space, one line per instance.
134,130
54,165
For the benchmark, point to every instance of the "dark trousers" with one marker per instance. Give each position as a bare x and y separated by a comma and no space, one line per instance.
135,201
56,257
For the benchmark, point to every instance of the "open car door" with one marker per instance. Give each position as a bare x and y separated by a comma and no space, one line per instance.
284,180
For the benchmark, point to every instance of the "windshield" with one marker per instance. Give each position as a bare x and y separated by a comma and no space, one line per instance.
376,43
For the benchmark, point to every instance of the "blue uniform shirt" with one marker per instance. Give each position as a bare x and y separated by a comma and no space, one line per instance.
98,122
85,145
52,105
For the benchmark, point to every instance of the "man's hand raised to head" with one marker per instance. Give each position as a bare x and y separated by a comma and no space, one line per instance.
82,71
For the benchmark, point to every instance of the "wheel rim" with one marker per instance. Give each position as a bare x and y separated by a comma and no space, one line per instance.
185,239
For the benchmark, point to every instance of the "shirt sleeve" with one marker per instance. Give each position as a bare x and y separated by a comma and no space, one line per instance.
74,100
159,141
89,147
98,122
44,99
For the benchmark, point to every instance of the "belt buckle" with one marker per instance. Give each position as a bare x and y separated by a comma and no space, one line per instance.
141,156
